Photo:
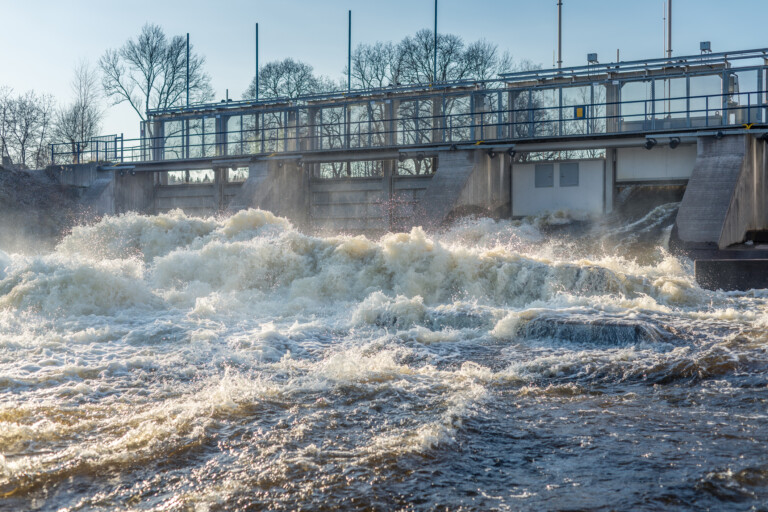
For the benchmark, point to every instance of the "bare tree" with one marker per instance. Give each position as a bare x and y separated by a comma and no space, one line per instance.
288,79
416,53
150,72
376,65
27,121
482,61
80,121
411,61
5,121
46,113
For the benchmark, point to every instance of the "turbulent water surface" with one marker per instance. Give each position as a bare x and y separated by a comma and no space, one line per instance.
175,363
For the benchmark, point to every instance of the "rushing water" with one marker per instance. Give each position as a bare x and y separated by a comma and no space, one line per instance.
175,363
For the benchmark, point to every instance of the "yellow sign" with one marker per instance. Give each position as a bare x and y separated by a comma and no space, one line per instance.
578,112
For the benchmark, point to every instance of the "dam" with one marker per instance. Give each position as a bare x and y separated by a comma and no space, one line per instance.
544,291
526,143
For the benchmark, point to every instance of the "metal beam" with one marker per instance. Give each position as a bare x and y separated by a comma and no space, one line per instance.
559,34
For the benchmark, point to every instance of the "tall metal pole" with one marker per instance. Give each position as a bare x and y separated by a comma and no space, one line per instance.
187,68
349,53
257,62
669,29
434,50
559,33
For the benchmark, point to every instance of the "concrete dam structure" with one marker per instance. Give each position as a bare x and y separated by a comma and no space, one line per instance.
528,143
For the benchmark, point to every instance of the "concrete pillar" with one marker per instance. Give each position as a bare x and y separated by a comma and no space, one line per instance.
388,171
157,136
291,131
612,107
219,186
759,184
312,131
511,185
437,119
391,123
221,135
609,182
347,126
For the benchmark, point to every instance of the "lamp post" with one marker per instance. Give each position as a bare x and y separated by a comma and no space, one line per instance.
559,33
669,29
434,50
349,53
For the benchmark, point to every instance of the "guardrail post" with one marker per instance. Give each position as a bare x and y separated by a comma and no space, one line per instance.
531,128
472,110
726,91
52,157
688,101
706,111
347,126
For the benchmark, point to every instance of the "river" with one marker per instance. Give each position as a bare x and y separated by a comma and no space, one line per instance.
177,363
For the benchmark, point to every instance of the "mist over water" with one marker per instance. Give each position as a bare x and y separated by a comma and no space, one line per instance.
177,363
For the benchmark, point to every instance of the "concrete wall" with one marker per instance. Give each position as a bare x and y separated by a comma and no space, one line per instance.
280,186
748,209
488,186
358,204
406,207
134,192
465,181
727,193
82,175
193,199
588,197
659,163
109,192
368,204
100,196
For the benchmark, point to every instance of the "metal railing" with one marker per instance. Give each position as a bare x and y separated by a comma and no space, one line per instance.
286,134
98,149
603,100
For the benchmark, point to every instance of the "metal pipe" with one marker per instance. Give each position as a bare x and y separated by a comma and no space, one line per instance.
669,29
257,62
187,68
559,33
434,50
349,53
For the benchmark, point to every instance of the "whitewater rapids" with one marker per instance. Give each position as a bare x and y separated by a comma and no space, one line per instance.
177,363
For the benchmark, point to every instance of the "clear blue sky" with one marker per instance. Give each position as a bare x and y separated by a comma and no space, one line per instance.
41,41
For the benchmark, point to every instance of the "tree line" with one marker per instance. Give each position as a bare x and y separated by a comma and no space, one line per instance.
388,64
150,72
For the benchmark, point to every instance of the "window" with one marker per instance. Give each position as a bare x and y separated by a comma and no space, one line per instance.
569,174
237,175
545,175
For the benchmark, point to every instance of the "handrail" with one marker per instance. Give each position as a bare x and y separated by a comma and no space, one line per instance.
601,119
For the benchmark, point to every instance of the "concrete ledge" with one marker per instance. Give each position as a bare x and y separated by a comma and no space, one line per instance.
729,275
